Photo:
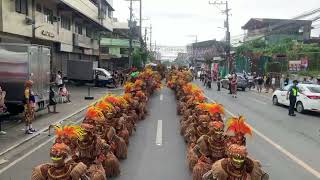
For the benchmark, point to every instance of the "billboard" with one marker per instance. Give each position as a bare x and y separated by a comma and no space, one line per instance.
298,65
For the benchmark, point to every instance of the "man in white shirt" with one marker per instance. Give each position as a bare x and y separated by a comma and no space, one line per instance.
59,79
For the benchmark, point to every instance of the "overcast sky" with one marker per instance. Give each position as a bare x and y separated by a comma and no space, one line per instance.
175,22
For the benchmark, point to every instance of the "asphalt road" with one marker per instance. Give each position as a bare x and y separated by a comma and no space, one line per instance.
286,146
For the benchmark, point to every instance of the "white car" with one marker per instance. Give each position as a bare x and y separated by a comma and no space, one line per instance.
308,97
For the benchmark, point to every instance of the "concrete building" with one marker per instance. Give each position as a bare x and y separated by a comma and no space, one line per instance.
70,27
205,51
114,47
274,30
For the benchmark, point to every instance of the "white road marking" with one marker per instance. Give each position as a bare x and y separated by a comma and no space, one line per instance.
2,161
159,133
41,131
161,97
30,152
281,149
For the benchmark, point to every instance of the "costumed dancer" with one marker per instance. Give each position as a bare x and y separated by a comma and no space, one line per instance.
237,166
60,169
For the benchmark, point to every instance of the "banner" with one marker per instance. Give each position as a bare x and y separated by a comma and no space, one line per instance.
298,65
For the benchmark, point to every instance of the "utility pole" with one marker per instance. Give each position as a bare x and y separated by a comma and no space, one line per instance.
145,36
141,41
130,37
226,25
150,37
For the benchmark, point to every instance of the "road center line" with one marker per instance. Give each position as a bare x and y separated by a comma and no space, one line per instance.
161,97
281,149
159,133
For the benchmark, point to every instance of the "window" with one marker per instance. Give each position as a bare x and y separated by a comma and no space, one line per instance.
124,50
314,89
78,28
89,32
104,50
39,7
22,6
48,15
110,13
65,23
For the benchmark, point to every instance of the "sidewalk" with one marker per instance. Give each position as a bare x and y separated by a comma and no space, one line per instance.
14,126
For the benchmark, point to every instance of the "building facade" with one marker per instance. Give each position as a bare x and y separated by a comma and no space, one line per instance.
71,28
114,47
274,30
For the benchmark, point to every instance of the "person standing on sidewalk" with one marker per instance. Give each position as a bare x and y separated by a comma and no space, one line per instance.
292,96
219,83
59,81
29,107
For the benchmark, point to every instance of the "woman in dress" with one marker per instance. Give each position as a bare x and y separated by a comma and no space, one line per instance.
234,83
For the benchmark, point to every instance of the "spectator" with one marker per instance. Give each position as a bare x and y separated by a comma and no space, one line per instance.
260,83
234,84
63,91
52,101
313,80
268,83
286,81
3,107
273,83
59,81
219,83
29,107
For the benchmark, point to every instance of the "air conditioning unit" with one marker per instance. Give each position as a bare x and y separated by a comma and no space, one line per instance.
29,20
56,19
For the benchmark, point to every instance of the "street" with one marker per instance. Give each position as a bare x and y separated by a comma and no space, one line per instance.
286,146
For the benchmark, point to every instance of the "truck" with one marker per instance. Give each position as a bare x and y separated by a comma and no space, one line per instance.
19,63
82,71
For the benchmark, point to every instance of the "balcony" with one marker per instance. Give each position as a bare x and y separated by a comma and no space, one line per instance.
89,10
85,42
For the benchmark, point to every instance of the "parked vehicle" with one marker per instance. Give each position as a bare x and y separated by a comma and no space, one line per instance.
19,63
82,72
242,82
308,97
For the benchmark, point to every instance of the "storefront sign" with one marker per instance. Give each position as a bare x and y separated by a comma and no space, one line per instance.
47,33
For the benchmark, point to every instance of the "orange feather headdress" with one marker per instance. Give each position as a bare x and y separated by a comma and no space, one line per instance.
216,108
72,131
94,114
237,125
104,106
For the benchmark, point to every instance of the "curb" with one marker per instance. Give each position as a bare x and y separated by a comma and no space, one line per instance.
41,131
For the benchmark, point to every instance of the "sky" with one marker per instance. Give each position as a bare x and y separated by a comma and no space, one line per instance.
177,22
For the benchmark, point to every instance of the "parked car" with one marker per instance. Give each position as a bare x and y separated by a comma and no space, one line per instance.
242,82
308,97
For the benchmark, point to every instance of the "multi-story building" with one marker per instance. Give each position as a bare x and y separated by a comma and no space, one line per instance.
114,47
274,30
70,27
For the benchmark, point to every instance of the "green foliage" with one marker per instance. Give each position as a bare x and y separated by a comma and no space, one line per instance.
292,50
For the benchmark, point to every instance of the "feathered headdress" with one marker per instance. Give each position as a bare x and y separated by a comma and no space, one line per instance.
204,106
94,114
111,99
128,87
72,131
237,125
237,150
127,97
104,106
138,83
61,148
216,108
122,101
